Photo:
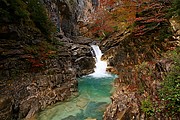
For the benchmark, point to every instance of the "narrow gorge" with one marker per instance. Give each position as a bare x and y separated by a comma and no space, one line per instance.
49,71
94,96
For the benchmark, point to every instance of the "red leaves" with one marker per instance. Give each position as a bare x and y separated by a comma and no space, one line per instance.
139,19
38,62
35,62
140,27
139,30
154,20
123,13
150,16
111,13
106,3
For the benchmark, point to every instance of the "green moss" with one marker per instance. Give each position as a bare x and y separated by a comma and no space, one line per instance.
4,14
20,9
32,49
51,56
71,2
46,46
116,28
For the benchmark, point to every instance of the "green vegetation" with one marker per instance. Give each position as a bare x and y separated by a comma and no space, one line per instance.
22,11
32,19
39,16
170,93
176,7
55,41
147,107
13,11
164,33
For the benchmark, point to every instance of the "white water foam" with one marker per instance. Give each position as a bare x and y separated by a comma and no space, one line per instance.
100,70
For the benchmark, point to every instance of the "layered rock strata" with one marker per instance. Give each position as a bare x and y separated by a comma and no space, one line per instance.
36,72
141,66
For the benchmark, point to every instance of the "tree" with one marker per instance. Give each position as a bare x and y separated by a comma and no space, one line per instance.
113,15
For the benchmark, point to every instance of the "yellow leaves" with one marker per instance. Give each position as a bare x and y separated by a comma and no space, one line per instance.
113,14
125,12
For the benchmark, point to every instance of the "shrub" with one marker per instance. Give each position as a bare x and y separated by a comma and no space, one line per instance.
20,11
176,7
147,107
13,10
170,93
174,10
39,16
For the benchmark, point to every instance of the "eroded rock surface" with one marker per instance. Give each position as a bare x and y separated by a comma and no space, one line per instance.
31,88
35,71
141,66
67,14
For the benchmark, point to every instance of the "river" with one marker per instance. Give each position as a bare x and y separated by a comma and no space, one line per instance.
94,96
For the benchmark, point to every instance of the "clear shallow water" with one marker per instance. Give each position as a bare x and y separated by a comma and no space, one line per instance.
94,96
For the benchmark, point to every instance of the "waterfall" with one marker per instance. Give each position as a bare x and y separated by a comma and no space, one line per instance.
100,69
94,95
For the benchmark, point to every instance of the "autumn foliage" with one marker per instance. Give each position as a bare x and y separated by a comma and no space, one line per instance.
38,54
114,15
117,15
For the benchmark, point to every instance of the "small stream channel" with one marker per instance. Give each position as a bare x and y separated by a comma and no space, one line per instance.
94,96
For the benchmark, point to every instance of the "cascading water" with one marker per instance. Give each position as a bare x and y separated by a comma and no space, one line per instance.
100,70
94,96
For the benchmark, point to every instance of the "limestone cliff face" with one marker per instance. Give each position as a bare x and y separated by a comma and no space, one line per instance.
29,88
67,13
141,65
36,72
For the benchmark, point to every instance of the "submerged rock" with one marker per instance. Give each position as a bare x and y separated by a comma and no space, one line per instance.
82,102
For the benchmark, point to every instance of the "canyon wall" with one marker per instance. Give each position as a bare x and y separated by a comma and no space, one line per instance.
141,62
67,14
36,71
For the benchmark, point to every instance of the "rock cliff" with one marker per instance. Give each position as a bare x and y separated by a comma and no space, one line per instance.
141,64
39,69
67,14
